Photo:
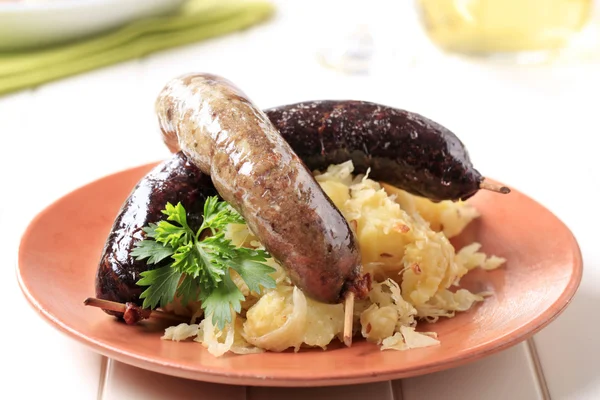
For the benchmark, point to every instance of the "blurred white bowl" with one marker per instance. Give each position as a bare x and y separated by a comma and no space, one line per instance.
33,23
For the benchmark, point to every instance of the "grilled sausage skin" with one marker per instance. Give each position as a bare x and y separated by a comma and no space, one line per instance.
402,148
256,171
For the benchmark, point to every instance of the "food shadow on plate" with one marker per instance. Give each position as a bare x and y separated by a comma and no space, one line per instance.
476,280
479,280
151,326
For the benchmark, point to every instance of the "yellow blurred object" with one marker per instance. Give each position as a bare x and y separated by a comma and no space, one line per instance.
503,26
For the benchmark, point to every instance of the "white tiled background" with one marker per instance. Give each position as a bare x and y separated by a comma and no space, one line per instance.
530,127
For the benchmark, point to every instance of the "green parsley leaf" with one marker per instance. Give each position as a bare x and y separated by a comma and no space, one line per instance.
221,300
249,264
163,285
150,230
184,259
219,246
170,234
213,265
211,207
200,269
217,215
176,213
188,290
153,251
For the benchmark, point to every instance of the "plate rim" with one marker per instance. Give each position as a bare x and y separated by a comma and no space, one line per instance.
503,342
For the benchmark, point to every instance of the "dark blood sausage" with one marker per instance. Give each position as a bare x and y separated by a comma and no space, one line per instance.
254,169
400,147
174,180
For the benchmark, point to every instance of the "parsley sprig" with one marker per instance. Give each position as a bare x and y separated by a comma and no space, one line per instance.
198,269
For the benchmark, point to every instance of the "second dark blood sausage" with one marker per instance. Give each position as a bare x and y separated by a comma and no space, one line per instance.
174,180
255,170
402,148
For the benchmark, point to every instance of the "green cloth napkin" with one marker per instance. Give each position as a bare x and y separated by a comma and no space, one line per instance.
195,21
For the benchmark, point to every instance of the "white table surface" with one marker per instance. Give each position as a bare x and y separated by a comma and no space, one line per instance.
534,128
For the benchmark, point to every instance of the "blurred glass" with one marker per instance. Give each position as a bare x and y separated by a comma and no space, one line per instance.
503,27
362,37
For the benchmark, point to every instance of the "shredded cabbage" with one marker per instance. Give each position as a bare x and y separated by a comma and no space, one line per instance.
405,246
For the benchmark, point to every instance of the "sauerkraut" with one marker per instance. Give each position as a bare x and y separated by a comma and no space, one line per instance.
405,246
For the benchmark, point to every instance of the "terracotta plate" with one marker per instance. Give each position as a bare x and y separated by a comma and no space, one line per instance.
60,250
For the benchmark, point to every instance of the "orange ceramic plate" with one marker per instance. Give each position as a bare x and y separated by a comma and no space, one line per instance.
60,250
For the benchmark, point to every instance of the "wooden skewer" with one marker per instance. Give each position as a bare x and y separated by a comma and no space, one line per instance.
348,318
494,188
120,307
